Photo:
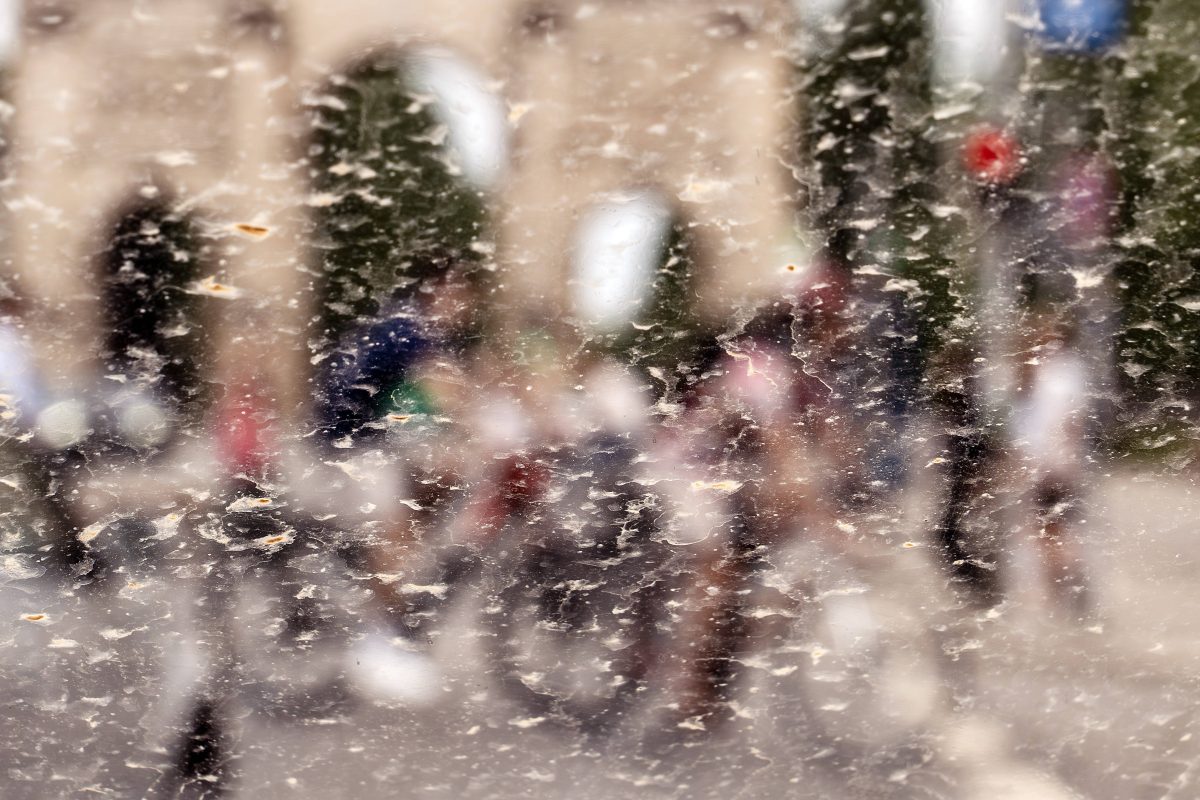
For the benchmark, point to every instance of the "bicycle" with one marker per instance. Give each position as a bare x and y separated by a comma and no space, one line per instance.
575,627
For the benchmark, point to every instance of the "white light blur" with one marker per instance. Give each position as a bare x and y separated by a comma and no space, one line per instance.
617,251
969,38
10,26
473,113
817,11
819,23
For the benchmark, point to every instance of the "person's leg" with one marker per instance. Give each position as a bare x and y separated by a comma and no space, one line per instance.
204,743
717,630
970,458
1063,563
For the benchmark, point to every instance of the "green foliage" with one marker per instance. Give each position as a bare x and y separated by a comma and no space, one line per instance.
153,324
1155,99
398,211
668,334
880,195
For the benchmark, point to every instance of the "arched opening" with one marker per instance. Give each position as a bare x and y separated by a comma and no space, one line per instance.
394,206
401,163
154,345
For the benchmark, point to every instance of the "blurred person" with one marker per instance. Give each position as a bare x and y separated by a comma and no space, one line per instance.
766,439
90,442
479,455
965,532
351,501
798,591
392,414
1049,437
366,383
730,448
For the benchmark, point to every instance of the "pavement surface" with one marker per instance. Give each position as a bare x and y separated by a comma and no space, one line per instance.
99,688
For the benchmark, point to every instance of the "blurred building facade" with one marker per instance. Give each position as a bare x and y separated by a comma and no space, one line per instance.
686,99
198,107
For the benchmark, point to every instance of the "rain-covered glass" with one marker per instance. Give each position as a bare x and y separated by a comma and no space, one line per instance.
599,398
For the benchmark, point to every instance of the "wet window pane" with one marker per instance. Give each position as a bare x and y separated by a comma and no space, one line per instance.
598,398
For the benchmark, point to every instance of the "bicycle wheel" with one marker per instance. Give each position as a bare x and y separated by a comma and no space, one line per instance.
574,635
848,661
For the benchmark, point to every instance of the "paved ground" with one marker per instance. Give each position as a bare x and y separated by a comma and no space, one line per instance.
1024,704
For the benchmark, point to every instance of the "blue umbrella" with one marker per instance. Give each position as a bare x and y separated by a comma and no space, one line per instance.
1082,26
